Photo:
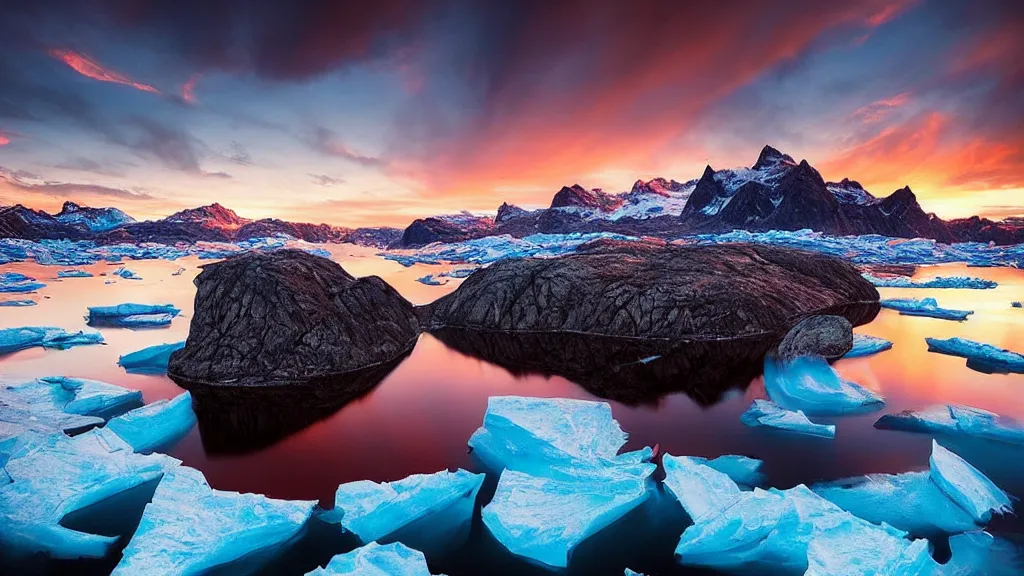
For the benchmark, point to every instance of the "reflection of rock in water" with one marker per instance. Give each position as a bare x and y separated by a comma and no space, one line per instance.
630,371
241,419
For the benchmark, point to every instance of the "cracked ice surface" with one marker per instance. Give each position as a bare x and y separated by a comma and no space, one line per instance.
955,420
864,345
155,425
924,307
965,282
768,414
967,486
61,475
698,487
809,384
980,356
189,527
14,339
374,511
376,560
150,360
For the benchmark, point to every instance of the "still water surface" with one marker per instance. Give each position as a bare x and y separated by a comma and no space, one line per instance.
419,417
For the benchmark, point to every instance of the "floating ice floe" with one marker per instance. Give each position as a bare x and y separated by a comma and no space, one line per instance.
765,413
17,303
150,360
924,307
697,486
981,357
937,282
459,273
61,475
629,572
130,315
155,425
809,384
864,345
126,274
14,339
375,511
16,282
954,420
838,553
376,560
430,280
72,273
1017,304
967,486
981,553
743,470
189,528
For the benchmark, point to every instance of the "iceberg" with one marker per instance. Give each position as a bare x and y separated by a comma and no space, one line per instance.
864,345
150,360
459,273
698,487
17,303
155,425
14,339
981,553
743,470
72,273
15,282
629,572
431,280
981,357
966,486
766,413
189,528
809,384
937,282
126,274
376,560
955,420
924,307
375,511
838,553
1017,304
131,315
544,519
62,475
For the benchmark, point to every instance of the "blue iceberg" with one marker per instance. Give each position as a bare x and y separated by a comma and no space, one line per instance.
61,475
130,315
72,273
126,274
937,282
860,553
459,273
544,519
14,339
743,470
955,420
864,345
629,572
189,528
16,282
17,303
698,487
981,553
375,511
966,486
924,307
431,280
981,357
809,384
376,560
151,360
765,413
155,425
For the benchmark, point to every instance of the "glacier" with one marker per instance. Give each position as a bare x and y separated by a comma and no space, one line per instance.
967,486
189,528
809,384
131,315
376,560
72,273
955,420
155,425
60,475
149,360
981,357
17,303
924,307
16,282
864,345
374,511
965,282
765,413
14,339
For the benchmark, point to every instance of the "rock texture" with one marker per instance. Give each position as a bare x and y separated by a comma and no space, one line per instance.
264,319
827,336
637,290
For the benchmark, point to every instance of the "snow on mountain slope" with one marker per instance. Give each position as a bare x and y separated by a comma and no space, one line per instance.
92,219
851,192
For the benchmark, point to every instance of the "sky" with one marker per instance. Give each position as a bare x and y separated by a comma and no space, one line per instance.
376,113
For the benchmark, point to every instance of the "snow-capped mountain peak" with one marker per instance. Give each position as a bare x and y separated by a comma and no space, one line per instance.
851,192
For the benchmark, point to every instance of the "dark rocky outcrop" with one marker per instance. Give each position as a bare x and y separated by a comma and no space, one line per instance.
265,319
428,230
508,212
806,203
647,291
771,156
827,336
705,192
751,203
323,233
578,196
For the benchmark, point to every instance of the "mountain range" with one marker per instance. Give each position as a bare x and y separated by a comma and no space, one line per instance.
775,193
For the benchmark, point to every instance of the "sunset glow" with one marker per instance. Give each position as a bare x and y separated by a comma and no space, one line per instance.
91,69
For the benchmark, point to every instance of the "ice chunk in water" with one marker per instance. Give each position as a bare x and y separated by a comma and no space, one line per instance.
14,339
151,360
132,315
982,553
62,475
809,384
72,273
982,357
937,282
768,414
966,486
431,280
17,303
864,345
189,528
15,282
126,274
924,307
545,435
155,425
374,511
376,560
697,486
743,470
859,553
629,572
955,420
544,519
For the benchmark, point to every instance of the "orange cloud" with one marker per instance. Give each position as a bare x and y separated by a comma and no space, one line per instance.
188,89
91,69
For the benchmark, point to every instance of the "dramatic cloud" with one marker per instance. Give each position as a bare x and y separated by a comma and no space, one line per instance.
91,69
21,181
327,142
82,164
174,148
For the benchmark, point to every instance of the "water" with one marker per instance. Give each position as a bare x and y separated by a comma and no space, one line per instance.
419,417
